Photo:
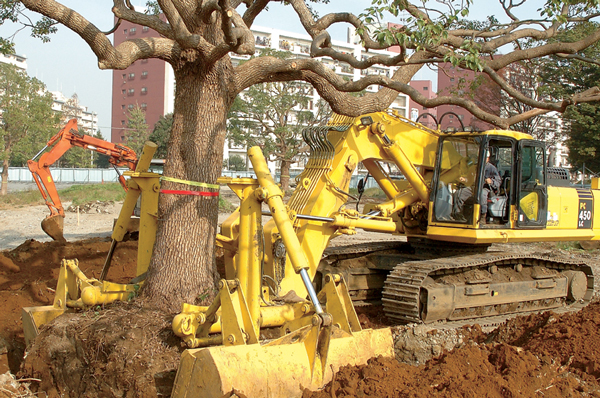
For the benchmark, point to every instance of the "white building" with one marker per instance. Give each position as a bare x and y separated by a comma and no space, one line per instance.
86,119
299,45
61,103
20,61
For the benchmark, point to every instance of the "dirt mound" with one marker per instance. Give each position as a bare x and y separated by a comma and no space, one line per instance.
126,350
539,355
571,340
28,276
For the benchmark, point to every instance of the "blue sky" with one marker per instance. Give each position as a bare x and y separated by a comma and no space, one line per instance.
67,64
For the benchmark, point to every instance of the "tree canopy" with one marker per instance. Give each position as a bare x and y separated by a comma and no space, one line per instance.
430,35
273,116
27,119
137,132
235,163
562,76
160,135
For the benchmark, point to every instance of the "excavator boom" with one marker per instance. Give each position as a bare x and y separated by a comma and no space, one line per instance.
68,137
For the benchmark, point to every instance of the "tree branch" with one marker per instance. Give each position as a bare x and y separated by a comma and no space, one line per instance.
237,35
121,11
182,34
543,50
253,10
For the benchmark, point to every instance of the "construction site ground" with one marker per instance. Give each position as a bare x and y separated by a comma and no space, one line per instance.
127,350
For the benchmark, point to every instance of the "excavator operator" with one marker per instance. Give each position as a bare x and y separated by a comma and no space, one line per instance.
491,184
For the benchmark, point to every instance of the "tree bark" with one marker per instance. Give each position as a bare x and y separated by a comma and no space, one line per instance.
285,175
4,187
5,164
182,268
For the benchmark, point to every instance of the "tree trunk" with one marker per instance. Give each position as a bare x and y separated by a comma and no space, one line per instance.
285,175
182,268
5,164
4,187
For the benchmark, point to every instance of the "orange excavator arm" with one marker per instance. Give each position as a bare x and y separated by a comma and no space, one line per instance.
68,137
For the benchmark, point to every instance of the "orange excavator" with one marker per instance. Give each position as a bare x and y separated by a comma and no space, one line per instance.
68,137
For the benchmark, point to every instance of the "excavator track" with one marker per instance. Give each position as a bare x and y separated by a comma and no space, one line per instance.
405,278
483,286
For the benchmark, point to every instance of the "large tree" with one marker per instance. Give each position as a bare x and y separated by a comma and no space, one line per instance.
26,119
197,36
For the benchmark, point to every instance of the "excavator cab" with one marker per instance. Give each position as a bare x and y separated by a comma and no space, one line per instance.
531,185
462,196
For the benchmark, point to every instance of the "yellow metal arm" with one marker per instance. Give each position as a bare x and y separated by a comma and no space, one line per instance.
274,197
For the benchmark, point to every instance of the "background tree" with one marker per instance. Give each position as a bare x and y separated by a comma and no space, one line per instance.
235,163
27,120
564,75
77,157
74,157
196,38
137,132
583,131
273,115
100,160
160,135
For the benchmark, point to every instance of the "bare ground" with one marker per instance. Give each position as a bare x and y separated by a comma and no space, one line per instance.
124,350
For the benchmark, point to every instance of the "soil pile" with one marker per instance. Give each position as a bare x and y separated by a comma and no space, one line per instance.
28,277
126,350
538,355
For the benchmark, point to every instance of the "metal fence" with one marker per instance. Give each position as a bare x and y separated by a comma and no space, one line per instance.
68,176
85,176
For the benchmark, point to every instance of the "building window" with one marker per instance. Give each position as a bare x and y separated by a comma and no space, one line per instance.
451,117
145,29
144,90
425,88
123,92
130,91
144,74
122,122
132,31
125,31
144,105
131,76
124,76
130,106
451,79
122,106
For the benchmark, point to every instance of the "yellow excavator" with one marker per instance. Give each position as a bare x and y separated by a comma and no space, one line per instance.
284,318
283,275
